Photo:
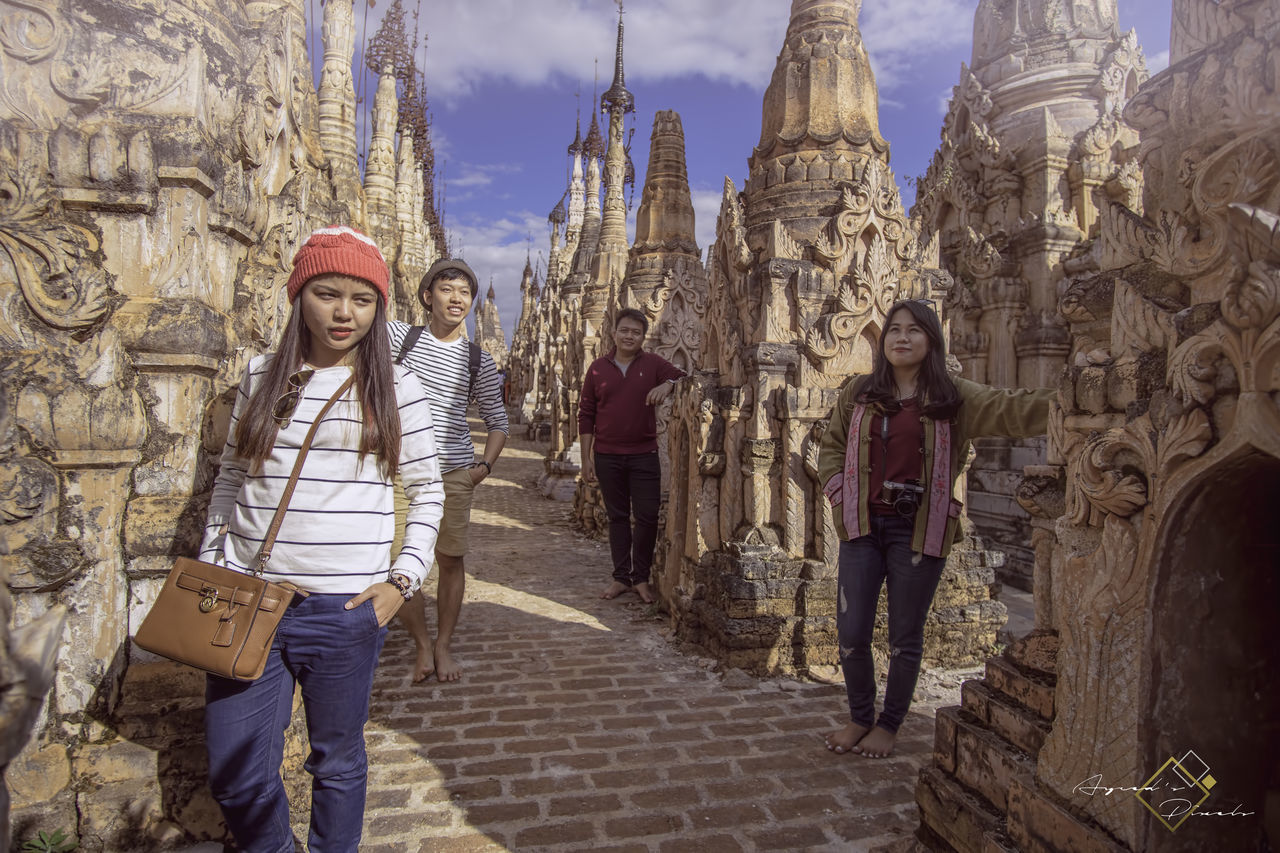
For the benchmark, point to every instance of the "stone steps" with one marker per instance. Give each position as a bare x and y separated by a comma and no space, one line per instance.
1004,716
954,818
983,749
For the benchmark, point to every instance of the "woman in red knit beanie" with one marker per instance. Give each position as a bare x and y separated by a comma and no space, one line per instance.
334,543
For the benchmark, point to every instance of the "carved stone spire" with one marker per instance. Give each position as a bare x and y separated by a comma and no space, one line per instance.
617,97
665,218
338,102
821,101
411,261
489,334
577,192
665,277
380,168
611,256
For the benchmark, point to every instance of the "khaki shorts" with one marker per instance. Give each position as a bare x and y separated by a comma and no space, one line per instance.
458,490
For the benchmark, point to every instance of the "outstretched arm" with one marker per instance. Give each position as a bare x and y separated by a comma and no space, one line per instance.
1005,412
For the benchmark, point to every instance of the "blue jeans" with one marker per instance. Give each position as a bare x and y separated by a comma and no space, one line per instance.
332,654
631,484
865,565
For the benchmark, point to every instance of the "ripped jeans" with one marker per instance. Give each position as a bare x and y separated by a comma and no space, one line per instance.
865,565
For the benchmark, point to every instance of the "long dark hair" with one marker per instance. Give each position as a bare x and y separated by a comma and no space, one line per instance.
375,389
938,396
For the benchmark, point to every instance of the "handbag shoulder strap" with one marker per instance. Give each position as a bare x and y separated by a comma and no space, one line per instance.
267,544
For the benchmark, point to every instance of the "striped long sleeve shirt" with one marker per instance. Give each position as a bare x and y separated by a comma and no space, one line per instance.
444,371
336,536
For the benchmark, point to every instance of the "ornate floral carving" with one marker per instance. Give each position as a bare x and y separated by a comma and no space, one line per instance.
1245,337
869,207
680,304
49,255
1106,481
1139,325
28,31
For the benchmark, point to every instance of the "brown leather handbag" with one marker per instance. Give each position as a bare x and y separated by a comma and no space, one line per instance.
222,620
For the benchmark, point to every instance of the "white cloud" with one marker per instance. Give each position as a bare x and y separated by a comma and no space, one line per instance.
497,249
482,174
706,209
1158,62
735,41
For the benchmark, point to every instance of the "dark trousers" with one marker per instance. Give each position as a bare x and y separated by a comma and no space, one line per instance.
631,485
332,652
866,563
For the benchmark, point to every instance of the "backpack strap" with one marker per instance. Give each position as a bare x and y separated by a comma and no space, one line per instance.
473,364
410,341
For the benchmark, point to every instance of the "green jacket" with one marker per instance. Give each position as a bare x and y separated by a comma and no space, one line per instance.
845,475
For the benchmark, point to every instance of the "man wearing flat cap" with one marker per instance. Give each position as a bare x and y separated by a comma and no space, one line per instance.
453,371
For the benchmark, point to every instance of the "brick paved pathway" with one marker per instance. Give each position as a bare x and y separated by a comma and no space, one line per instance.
579,724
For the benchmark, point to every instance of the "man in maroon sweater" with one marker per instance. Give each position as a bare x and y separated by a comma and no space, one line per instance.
619,446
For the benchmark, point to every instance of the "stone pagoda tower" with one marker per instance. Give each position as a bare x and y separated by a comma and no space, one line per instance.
580,329
665,277
524,363
1033,141
489,334
1153,666
337,97
805,264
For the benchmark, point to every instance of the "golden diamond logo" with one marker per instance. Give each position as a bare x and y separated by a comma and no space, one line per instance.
1177,789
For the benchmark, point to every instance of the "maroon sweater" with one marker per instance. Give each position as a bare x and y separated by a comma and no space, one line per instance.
901,460
612,405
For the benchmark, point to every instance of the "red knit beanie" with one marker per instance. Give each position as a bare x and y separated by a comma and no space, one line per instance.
342,250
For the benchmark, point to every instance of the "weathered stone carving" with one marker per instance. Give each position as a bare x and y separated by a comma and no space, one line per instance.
1166,446
156,172
1027,166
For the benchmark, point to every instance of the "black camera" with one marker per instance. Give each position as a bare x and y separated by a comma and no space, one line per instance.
905,497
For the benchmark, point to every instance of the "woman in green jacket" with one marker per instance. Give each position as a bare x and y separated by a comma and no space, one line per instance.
893,450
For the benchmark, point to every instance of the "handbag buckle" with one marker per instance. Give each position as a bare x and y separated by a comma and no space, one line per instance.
208,598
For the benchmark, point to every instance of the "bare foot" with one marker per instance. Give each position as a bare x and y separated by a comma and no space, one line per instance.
446,668
877,743
642,590
425,664
844,740
615,589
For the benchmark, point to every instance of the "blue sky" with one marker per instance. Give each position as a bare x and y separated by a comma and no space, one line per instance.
502,77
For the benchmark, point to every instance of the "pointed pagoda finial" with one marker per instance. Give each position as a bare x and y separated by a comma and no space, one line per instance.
490,296
557,215
618,97
575,149
594,145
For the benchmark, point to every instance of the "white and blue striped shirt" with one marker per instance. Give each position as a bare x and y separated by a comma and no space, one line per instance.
444,370
337,534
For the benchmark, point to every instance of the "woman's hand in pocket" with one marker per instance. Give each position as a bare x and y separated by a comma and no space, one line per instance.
386,601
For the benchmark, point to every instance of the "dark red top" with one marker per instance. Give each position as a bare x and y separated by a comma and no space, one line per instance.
905,459
612,405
